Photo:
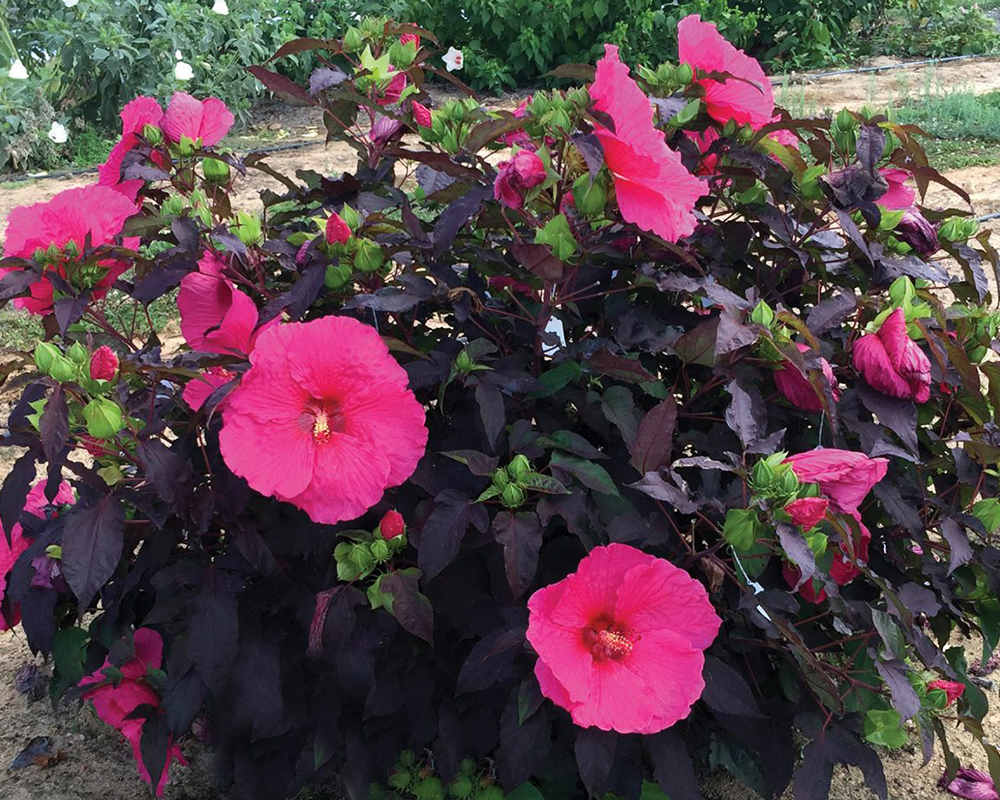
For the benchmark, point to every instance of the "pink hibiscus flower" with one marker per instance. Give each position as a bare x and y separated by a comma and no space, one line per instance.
808,512
323,419
70,216
115,703
748,99
972,784
519,137
899,195
653,189
704,140
216,317
892,363
391,94
953,689
35,503
843,569
103,364
136,115
516,176
843,476
208,120
621,641
199,389
797,390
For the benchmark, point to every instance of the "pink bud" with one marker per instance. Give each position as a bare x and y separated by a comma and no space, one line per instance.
337,230
524,171
807,512
103,364
421,115
951,688
392,524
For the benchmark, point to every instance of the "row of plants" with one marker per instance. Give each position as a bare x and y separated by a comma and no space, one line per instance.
643,431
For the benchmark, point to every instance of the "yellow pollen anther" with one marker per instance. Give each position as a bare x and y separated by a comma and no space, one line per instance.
321,427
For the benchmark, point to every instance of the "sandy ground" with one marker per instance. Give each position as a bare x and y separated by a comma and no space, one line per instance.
95,764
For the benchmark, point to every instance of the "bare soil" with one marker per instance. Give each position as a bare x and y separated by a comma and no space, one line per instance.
95,764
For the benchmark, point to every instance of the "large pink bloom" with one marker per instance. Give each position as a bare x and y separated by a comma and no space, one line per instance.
323,419
621,641
843,476
114,703
35,503
139,113
70,216
208,120
653,189
216,317
899,195
892,363
797,390
700,45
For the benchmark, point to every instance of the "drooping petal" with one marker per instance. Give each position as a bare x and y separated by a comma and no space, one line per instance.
899,195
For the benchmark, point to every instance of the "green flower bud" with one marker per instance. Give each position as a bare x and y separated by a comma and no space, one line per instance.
789,483
763,475
62,369
45,354
152,134
461,787
902,291
186,146
468,766
173,206
689,114
762,314
560,121
589,196
683,74
512,496
399,779
112,474
373,26
428,789
519,467
491,793
380,550
248,228
71,249
369,257
350,217
464,363
353,40
103,417
402,55
407,758
78,354
54,551
337,276
845,120
501,478
216,171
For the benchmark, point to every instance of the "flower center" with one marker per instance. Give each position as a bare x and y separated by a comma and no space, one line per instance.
609,643
323,418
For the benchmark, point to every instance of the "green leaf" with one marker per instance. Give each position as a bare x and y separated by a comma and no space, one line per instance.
988,512
526,791
741,528
883,727
542,483
68,650
591,475
557,235
556,378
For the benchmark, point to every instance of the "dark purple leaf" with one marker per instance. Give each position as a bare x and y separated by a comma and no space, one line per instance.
899,416
324,78
854,186
165,470
490,660
668,106
853,233
16,282
188,236
595,758
672,765
726,692
491,411
182,700
538,259
629,370
432,180
68,310
478,463
38,619
161,280
287,90
958,542
903,511
654,440
798,550
154,744
918,599
410,608
831,313
388,299
214,630
746,414
456,215
904,696
891,268
524,743
655,486
54,425
836,745
590,148
521,537
439,539
871,146
39,751
92,543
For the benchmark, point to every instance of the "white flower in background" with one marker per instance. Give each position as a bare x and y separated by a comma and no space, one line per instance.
58,133
183,71
70,3
17,71
453,59
220,7
178,55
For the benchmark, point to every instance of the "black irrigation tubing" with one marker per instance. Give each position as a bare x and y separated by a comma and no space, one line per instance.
859,70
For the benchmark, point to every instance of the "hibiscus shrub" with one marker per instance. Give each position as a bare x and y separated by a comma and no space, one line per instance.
577,450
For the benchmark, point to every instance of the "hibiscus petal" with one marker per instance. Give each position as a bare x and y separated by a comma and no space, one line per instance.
348,479
276,459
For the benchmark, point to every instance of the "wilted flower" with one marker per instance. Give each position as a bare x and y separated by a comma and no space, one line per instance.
892,363
384,128
516,176
207,120
337,231
748,98
70,216
797,389
17,72
972,784
453,59
58,133
183,71
323,419
899,195
103,364
808,512
917,232
653,189
220,7
843,476
621,641
843,568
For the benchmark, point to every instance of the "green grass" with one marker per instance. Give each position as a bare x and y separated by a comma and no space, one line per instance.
966,126
90,147
18,330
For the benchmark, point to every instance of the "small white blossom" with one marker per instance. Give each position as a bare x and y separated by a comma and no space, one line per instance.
453,59
17,71
178,55
220,7
58,133
70,3
183,71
